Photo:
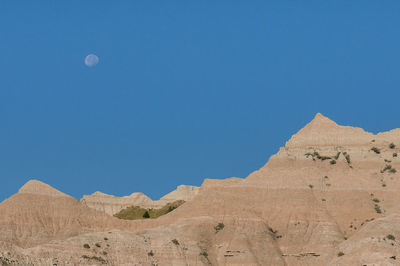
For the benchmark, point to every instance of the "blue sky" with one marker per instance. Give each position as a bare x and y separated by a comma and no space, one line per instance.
184,90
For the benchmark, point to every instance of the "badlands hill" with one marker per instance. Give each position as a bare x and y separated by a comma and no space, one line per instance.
330,196
111,204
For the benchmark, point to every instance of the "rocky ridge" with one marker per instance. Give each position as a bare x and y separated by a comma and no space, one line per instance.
328,197
111,204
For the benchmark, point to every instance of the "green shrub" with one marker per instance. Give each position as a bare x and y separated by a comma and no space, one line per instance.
394,154
272,230
150,254
176,242
219,227
392,146
146,215
378,209
106,238
376,200
204,253
98,245
376,150
389,168
171,208
100,259
340,254
311,186
323,158
391,237
86,246
347,157
333,162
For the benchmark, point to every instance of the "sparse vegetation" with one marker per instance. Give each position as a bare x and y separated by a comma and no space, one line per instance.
316,155
219,227
347,157
392,146
394,155
323,158
274,233
390,237
98,245
332,162
376,200
340,254
171,208
150,253
99,259
204,253
272,230
86,246
378,209
389,168
376,150
136,212
175,241
146,215
311,186
105,238
105,253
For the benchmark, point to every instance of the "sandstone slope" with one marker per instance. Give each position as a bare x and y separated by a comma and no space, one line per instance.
328,197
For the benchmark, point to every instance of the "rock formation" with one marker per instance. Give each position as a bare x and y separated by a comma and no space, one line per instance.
111,204
328,197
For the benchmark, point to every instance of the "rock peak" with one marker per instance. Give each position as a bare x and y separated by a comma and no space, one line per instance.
323,120
322,131
34,186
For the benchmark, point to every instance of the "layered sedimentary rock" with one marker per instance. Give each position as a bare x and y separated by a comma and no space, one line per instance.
328,197
111,204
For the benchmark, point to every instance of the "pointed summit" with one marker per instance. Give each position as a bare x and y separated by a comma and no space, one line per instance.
37,187
321,120
323,131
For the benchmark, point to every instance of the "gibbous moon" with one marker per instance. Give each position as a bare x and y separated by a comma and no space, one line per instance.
91,60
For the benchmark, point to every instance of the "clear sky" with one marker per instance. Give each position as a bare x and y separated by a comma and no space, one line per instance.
184,90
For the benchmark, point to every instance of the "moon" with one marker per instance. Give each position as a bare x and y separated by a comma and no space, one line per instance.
91,60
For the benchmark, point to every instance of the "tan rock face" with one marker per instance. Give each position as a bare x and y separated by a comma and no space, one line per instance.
301,208
39,188
111,204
